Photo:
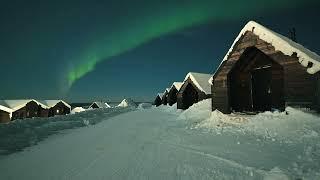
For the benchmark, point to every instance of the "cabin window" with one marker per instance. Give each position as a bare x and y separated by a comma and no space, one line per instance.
57,111
28,113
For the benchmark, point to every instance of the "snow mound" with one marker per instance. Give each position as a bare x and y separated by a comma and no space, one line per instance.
127,103
292,123
278,124
170,109
197,112
77,110
144,106
276,174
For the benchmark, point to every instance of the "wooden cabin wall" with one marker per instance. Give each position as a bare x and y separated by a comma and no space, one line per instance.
19,114
164,98
299,86
42,112
59,109
32,109
95,106
180,100
157,101
4,117
172,96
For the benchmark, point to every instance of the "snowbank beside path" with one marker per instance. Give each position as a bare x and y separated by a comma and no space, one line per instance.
77,110
197,112
292,123
169,109
19,134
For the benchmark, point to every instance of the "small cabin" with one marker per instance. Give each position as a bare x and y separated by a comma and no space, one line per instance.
96,105
173,91
264,70
57,107
158,101
165,96
195,88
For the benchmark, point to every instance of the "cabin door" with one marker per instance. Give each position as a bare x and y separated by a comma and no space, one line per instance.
261,89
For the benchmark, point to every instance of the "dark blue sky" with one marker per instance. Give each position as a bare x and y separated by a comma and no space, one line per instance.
39,39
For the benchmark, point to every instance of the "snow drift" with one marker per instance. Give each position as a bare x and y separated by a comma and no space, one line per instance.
18,134
77,110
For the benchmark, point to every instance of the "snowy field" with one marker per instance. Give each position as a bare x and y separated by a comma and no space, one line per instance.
163,143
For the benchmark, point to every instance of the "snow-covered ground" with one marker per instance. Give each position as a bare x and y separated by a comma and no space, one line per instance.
165,143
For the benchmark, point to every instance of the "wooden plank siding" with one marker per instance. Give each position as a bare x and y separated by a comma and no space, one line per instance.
180,95
172,96
299,87
4,117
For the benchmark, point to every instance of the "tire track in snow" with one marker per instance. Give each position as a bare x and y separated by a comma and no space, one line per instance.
211,156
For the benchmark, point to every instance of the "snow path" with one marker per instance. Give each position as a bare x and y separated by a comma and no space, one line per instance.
148,144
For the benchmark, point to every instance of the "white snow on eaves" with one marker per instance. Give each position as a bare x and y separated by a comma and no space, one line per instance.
200,80
3,108
127,103
18,104
177,85
160,95
280,43
52,103
100,104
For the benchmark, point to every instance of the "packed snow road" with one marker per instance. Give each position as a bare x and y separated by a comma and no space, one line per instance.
156,144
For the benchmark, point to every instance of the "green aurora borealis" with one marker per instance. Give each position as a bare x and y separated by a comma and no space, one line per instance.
147,21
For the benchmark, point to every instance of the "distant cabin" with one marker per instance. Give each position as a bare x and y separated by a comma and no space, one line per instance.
96,105
264,70
28,108
158,100
195,88
57,107
127,103
173,91
165,96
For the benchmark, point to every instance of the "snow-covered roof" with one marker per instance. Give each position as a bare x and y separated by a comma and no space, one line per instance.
17,104
160,95
52,103
127,102
280,43
177,85
166,91
3,108
200,80
100,105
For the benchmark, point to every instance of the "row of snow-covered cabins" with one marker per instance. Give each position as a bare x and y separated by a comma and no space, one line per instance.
28,108
262,71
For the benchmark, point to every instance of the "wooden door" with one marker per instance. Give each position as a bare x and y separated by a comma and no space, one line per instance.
261,89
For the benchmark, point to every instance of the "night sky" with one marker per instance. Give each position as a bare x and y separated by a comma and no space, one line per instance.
88,50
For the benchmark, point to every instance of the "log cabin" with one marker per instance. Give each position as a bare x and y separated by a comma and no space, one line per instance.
158,101
173,91
96,105
264,70
195,88
165,96
57,107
